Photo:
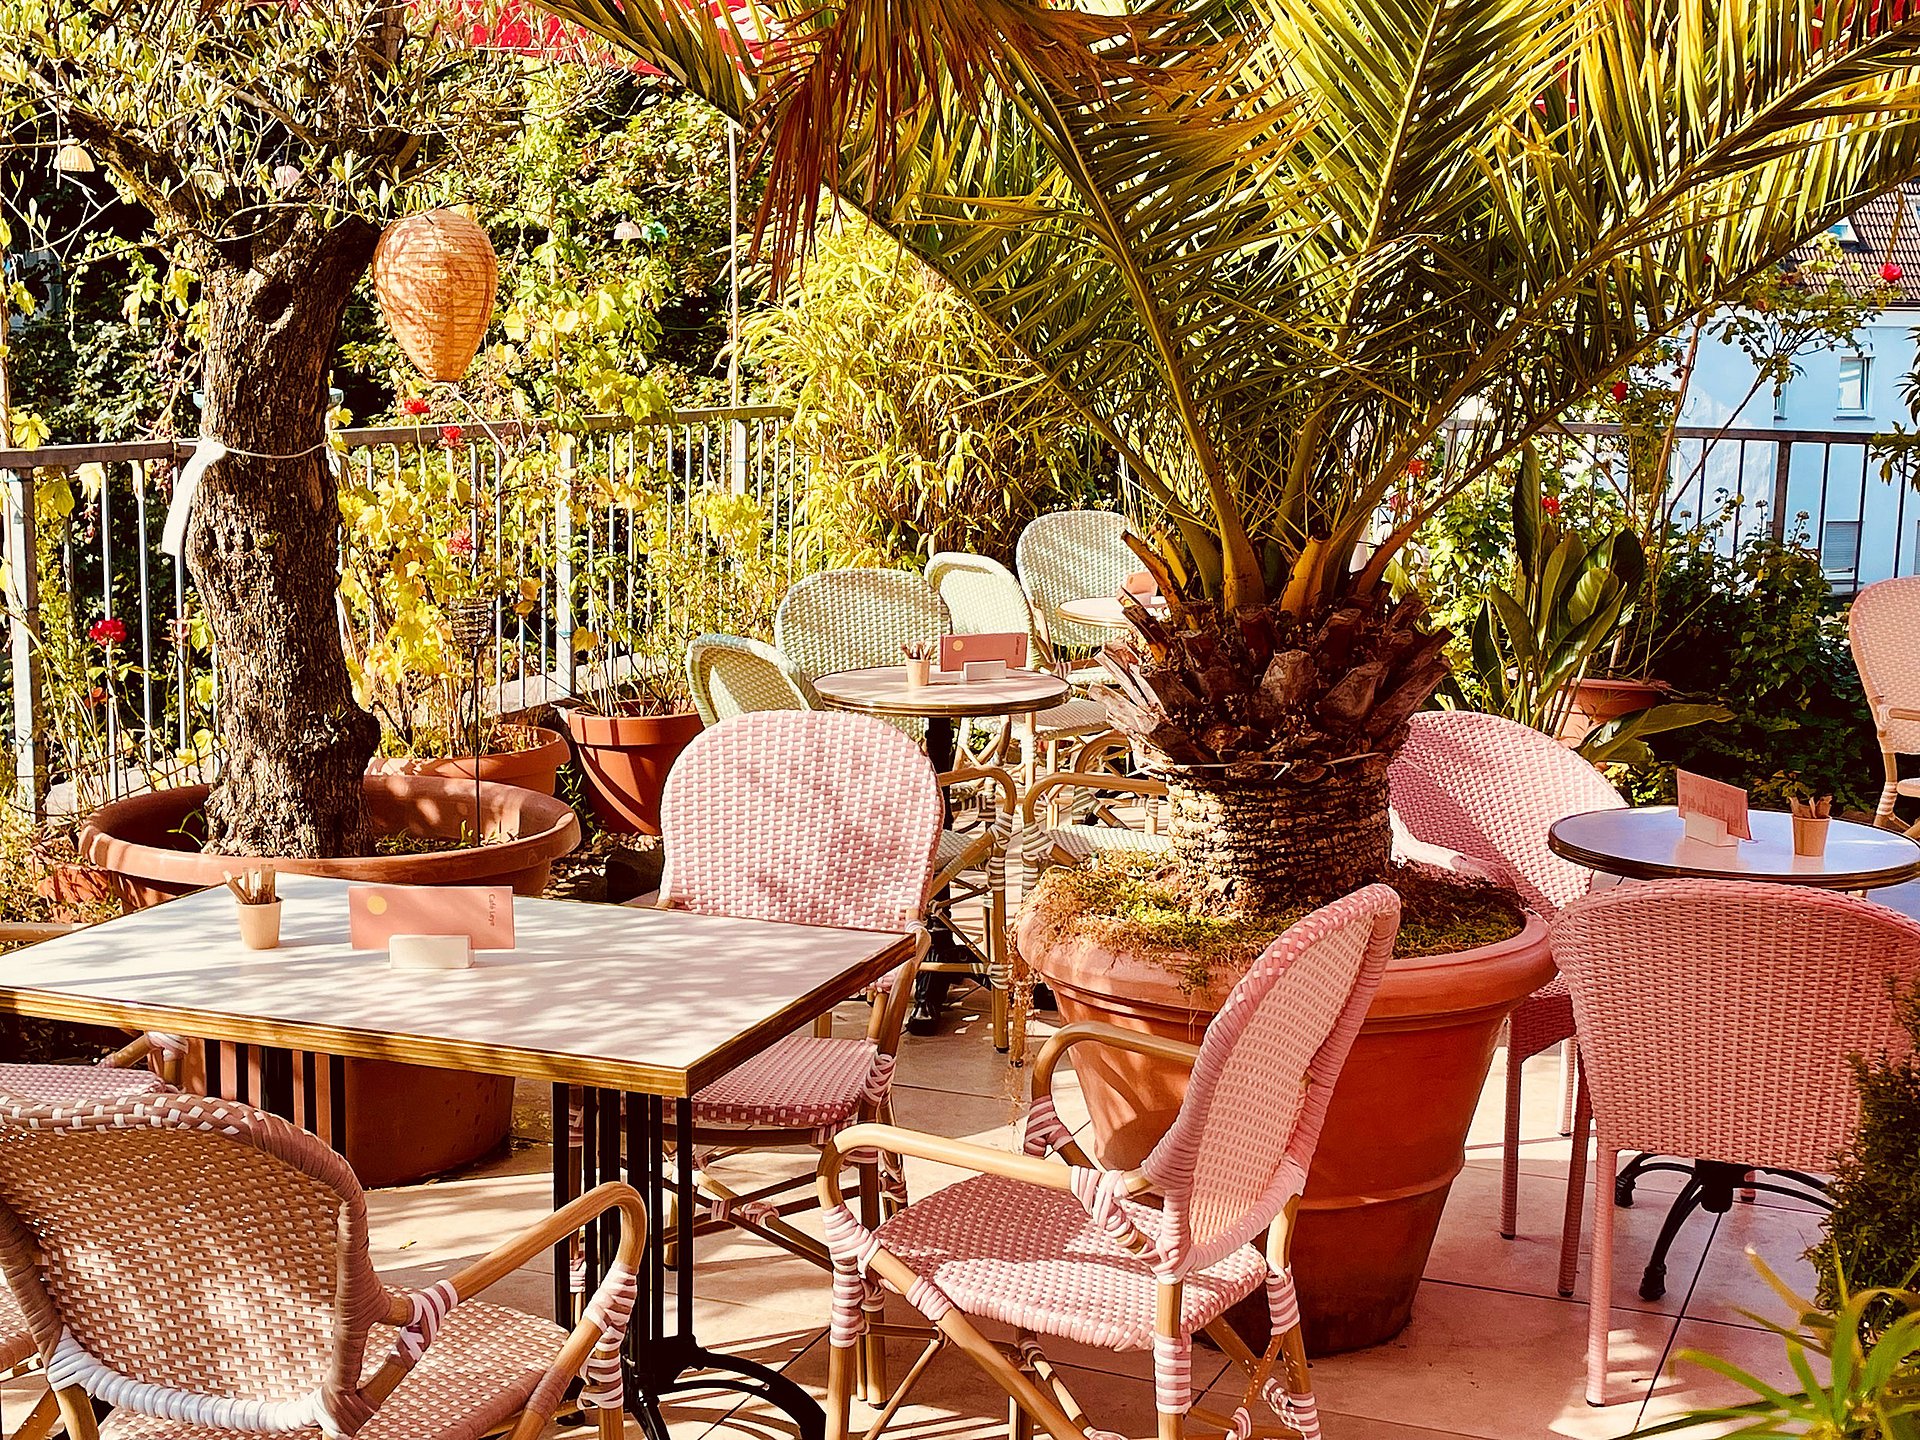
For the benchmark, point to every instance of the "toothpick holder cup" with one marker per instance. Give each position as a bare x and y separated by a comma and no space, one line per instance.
917,672
1810,834
259,924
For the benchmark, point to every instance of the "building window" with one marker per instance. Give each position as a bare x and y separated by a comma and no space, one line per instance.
1840,546
1855,371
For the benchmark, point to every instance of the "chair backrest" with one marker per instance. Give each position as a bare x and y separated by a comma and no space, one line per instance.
190,1258
982,597
1073,555
1883,629
854,619
1716,1016
1241,1145
1489,787
730,675
814,817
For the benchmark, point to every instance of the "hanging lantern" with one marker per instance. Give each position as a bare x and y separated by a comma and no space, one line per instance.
434,275
72,159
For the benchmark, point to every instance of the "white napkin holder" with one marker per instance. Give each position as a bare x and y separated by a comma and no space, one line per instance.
1709,831
430,952
986,670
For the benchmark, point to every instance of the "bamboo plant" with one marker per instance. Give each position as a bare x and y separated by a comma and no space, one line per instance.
1272,250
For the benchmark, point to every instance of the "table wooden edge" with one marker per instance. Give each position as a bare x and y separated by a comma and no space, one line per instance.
491,1059
1653,870
907,710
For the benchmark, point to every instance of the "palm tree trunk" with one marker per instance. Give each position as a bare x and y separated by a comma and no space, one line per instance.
1269,844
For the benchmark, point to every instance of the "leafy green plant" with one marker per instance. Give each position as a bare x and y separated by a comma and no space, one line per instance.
1533,642
1872,1235
1871,1389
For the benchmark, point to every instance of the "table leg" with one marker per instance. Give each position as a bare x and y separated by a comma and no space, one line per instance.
1710,1187
930,987
659,1362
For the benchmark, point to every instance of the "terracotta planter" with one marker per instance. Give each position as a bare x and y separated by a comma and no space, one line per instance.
79,893
1396,1128
625,759
149,841
403,1121
1597,701
535,768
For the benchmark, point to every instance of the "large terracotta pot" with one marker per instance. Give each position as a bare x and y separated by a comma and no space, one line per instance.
535,768
1595,702
1396,1127
403,1121
625,759
150,843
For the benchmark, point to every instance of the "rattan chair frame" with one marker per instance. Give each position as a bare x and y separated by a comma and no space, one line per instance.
1069,555
1054,1161
1883,634
774,678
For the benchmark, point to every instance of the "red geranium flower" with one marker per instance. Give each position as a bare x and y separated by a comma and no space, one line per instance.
414,405
1416,468
1550,504
461,542
107,632
450,435
1619,390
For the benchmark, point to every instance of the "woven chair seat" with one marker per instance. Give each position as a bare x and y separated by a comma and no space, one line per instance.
475,1377
1083,842
804,1082
58,1084
1544,1019
956,851
1073,716
1027,1256
16,1341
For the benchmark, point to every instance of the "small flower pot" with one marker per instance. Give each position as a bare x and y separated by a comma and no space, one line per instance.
259,924
918,673
1810,834
624,760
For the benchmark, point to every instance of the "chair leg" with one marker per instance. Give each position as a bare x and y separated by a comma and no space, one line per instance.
1510,1148
1576,1185
1600,1275
999,971
873,1347
40,1420
843,1369
1569,1078
611,1425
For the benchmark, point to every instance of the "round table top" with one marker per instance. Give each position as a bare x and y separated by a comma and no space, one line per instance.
1650,843
1103,612
883,690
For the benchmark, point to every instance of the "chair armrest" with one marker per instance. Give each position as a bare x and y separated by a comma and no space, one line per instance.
942,1150
1085,780
509,1257
997,778
1098,1032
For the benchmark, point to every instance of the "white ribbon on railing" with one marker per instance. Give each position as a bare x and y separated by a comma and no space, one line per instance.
173,537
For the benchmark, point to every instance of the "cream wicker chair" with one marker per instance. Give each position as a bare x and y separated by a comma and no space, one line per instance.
1716,1021
203,1268
1073,555
982,596
1883,630
1087,1255
121,1074
730,675
854,619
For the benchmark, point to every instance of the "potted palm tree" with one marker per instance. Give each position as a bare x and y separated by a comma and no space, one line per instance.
1273,252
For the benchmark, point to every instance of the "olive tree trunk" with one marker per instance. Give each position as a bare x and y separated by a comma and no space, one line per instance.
263,550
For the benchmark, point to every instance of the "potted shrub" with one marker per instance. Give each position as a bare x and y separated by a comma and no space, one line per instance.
633,715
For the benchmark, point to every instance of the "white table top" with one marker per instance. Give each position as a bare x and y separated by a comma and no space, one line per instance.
648,1001
1103,612
883,690
1650,843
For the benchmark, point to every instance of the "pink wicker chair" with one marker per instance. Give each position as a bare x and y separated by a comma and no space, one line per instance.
815,818
1883,630
1489,788
202,1267
1716,1018
120,1074
1078,1252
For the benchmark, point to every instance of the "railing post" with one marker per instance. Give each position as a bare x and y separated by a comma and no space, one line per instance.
563,566
23,605
737,432
1782,473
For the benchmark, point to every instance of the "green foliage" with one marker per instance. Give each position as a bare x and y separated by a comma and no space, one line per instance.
1872,1236
922,432
1757,631
1871,1389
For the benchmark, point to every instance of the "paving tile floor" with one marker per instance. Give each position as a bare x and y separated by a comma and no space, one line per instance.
1492,1352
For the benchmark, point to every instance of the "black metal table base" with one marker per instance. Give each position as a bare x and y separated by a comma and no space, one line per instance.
659,1362
1710,1186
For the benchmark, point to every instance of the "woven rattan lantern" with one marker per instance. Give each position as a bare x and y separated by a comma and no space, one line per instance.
435,274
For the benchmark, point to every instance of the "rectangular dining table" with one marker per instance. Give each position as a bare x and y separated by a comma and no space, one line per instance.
649,1005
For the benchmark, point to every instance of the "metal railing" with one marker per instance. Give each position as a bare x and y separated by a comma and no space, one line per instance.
111,502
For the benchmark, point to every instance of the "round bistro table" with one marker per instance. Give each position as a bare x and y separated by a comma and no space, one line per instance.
884,691
1103,612
1650,843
